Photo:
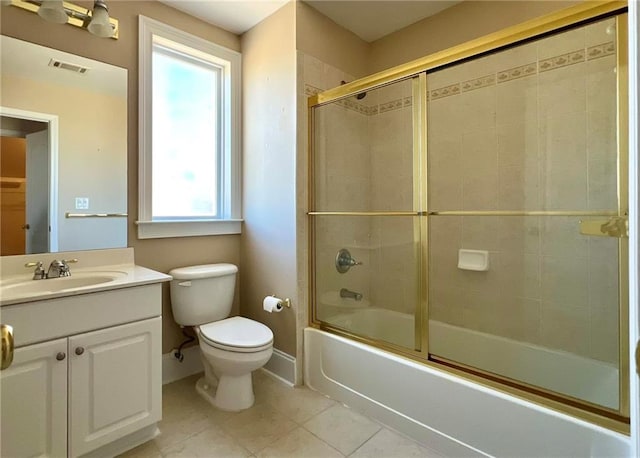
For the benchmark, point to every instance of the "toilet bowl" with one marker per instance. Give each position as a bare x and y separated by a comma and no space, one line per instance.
230,348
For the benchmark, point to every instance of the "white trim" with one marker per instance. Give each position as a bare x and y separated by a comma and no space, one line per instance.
150,30
173,370
163,229
52,121
282,366
634,222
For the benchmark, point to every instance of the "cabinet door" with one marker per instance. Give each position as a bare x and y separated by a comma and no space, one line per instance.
33,402
115,383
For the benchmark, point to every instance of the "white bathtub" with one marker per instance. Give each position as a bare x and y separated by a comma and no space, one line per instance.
452,415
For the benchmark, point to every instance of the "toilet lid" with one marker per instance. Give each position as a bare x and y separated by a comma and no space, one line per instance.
237,332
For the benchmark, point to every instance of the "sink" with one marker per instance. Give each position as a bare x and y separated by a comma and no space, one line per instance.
54,285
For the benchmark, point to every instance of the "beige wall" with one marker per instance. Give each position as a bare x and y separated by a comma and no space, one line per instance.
160,254
269,169
319,36
458,24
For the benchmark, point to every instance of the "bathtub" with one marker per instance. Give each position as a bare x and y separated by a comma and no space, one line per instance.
451,415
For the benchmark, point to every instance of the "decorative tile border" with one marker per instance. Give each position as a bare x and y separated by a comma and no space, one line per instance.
517,72
563,60
605,49
502,76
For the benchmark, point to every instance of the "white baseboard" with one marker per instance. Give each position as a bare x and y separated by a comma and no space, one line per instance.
173,370
281,365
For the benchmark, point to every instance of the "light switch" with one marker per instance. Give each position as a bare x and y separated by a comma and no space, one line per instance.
82,203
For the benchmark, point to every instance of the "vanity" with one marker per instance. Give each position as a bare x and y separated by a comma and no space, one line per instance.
86,372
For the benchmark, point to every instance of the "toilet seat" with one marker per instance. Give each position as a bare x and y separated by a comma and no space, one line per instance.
237,334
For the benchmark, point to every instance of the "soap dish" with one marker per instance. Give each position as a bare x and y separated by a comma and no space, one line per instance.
477,260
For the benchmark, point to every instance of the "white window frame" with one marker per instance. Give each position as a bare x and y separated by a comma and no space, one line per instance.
150,32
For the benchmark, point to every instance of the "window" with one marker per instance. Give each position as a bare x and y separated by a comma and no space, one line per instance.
189,178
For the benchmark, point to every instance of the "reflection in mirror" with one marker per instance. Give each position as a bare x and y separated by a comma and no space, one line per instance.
63,151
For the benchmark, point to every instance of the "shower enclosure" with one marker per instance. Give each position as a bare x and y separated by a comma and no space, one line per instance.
469,210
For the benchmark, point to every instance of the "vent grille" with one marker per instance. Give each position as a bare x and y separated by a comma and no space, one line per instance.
68,66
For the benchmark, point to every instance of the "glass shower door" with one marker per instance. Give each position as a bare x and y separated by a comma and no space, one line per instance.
527,216
364,218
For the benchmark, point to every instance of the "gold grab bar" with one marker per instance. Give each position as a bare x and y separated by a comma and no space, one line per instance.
95,215
6,332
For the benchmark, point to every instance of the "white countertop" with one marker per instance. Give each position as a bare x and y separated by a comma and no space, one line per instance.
125,276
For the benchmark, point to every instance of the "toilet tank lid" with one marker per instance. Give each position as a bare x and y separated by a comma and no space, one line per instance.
203,271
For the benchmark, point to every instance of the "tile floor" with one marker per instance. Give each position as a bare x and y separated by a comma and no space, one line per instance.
284,422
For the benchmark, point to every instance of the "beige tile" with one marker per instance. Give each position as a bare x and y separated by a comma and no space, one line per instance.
563,186
210,443
518,318
480,233
517,145
478,109
518,234
561,237
342,428
605,333
480,190
179,428
602,135
300,403
561,43
517,101
603,273
516,57
601,84
479,153
519,274
479,310
566,328
388,444
565,280
257,427
603,184
147,450
518,189
600,32
446,305
563,138
562,90
299,443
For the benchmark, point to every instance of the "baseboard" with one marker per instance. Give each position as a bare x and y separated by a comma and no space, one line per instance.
173,370
283,366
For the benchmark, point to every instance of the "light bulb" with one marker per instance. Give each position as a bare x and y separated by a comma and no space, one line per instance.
100,25
53,11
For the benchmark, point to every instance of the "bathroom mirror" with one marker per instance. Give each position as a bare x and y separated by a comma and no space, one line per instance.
63,123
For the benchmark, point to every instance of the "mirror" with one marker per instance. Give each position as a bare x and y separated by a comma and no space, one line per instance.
63,156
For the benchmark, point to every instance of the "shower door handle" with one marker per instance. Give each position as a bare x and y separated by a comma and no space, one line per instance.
616,226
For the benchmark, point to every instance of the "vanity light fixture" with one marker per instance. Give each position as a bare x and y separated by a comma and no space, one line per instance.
96,20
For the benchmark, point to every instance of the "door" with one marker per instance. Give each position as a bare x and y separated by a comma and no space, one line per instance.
33,402
37,225
114,383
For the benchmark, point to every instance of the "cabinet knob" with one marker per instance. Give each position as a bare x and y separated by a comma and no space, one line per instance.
61,355
79,351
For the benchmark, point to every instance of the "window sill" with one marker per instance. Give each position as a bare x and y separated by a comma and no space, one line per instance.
165,229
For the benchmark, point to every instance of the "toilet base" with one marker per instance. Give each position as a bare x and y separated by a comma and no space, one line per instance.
232,393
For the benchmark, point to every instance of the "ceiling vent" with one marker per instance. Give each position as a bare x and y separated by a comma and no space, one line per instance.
67,66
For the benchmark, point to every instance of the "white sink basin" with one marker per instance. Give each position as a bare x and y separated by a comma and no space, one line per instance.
54,285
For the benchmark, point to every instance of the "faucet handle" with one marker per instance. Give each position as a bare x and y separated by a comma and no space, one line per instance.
39,273
69,261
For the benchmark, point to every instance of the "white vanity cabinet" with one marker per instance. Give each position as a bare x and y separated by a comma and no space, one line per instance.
33,402
86,375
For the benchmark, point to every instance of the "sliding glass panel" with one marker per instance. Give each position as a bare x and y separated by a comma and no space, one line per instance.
364,151
366,276
524,247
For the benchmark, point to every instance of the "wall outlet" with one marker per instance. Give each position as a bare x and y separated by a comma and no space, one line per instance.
82,203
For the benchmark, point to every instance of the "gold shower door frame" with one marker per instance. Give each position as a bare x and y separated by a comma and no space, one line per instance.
617,420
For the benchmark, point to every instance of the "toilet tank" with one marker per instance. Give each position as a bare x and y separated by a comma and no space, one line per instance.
202,294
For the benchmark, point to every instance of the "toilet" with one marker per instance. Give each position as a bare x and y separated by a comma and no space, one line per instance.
231,348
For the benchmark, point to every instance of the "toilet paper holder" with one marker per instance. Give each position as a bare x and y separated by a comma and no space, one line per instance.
286,301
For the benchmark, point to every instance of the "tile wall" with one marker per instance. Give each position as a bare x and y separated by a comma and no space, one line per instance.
531,128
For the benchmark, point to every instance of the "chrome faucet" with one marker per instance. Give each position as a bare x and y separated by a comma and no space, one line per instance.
39,273
344,292
59,269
